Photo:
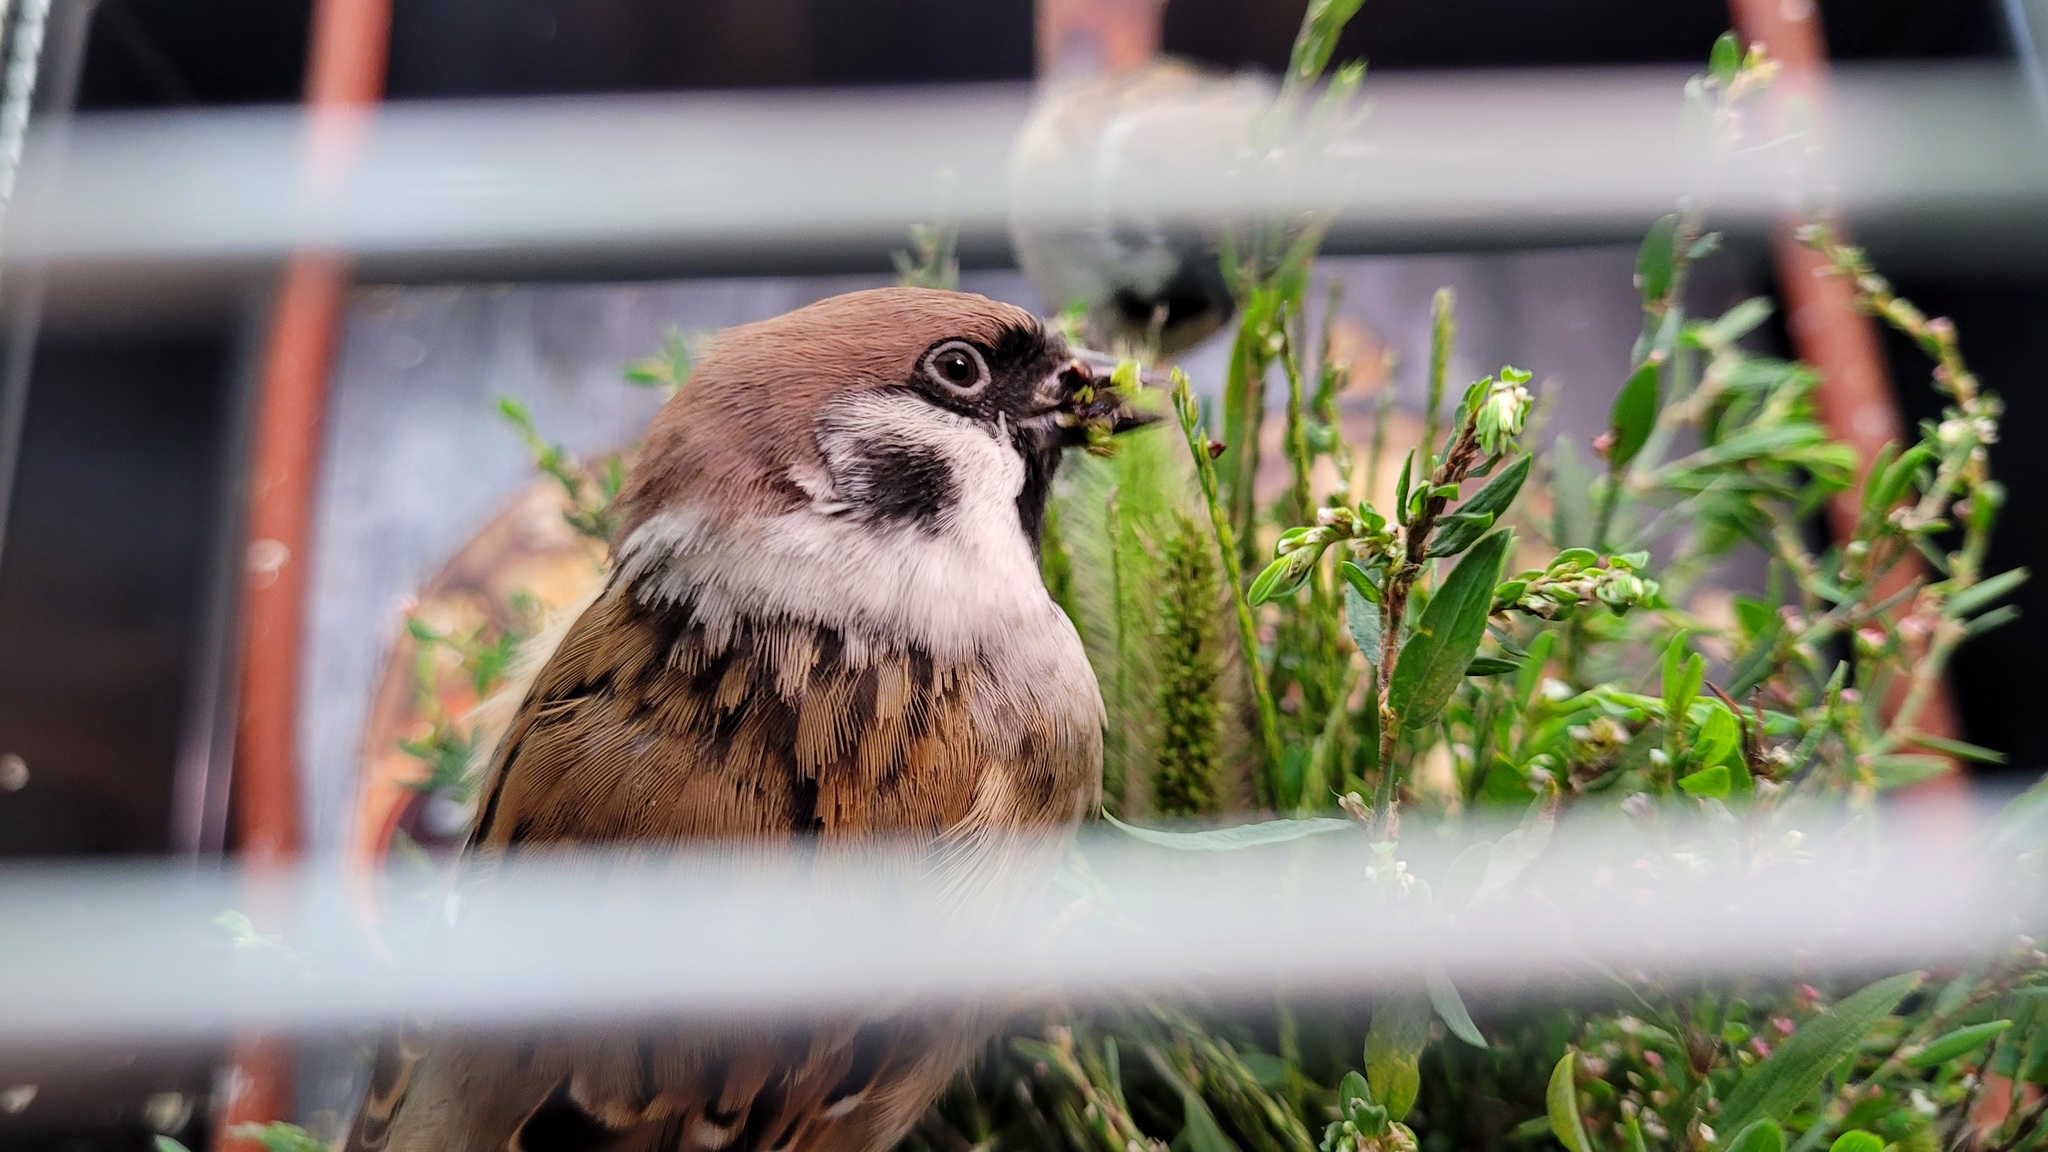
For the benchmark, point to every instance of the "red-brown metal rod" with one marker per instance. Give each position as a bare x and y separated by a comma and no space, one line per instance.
344,76
1855,398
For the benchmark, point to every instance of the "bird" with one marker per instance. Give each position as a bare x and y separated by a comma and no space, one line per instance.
824,624
1090,170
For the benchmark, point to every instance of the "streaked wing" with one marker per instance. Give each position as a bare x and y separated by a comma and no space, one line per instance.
651,724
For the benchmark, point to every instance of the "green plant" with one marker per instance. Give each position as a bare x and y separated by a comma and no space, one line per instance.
1188,779
1575,660
481,656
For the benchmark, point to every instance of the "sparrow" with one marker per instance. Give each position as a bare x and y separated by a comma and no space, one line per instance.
1089,173
825,627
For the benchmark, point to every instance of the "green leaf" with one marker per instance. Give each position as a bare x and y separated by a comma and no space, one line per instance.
1443,996
1467,871
1950,1045
515,411
1684,672
1656,258
167,1144
1722,64
1232,839
1996,618
1393,1053
1791,1075
1359,579
1266,585
1718,735
1738,321
1857,1140
1199,1127
1500,492
1762,1136
1490,666
277,1136
1983,593
1753,444
1286,575
1364,620
1456,532
1757,664
1513,853
1432,663
1888,488
1902,768
1269,1070
1562,1099
1959,749
1353,1088
1633,415
1321,26
1401,487
1707,783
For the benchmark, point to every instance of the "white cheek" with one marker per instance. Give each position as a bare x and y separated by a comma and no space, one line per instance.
980,467
954,586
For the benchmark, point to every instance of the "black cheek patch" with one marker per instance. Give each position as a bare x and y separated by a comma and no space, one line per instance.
1039,466
901,483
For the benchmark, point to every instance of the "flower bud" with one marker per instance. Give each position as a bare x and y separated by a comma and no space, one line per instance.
1503,411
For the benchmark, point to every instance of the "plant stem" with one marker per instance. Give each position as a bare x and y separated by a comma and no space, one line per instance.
1456,464
1299,460
1226,544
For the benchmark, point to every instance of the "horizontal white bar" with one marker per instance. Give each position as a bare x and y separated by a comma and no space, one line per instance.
1522,154
133,952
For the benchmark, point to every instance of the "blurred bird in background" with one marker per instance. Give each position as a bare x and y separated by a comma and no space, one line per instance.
824,627
1087,174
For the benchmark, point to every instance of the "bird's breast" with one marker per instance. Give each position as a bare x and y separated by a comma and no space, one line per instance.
753,685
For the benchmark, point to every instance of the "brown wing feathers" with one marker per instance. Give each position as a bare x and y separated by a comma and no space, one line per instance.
648,725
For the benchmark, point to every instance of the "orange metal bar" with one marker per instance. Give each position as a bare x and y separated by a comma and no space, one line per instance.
1855,398
344,76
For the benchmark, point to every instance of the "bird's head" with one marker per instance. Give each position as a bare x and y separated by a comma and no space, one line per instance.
906,408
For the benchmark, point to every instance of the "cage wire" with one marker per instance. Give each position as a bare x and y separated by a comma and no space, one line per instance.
783,182
130,953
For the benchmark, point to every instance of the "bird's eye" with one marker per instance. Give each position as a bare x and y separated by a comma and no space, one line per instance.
957,367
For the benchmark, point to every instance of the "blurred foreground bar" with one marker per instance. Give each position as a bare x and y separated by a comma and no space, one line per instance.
115,954
1953,158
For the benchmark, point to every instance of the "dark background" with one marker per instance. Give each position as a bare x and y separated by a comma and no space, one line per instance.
158,52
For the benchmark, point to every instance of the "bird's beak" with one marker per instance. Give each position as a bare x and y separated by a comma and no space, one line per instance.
1082,404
